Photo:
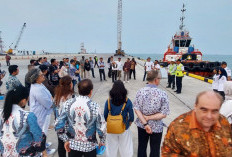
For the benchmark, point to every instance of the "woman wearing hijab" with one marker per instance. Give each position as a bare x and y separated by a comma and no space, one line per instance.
221,81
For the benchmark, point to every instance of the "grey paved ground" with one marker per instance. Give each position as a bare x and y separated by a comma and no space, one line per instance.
178,103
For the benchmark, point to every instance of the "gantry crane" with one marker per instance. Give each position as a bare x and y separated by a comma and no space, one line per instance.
10,51
119,51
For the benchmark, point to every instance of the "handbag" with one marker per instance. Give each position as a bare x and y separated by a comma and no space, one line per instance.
115,124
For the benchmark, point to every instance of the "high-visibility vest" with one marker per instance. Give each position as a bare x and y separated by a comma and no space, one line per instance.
170,69
179,72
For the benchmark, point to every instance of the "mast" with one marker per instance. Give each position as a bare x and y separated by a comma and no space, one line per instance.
182,18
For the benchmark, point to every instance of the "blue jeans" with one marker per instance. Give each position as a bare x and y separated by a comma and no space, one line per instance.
74,83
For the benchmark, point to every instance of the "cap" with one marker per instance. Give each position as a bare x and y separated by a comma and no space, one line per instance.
173,60
149,58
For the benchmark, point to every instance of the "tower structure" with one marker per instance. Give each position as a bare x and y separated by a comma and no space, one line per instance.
1,43
119,50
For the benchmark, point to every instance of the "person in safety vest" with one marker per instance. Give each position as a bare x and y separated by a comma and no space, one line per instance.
179,76
171,74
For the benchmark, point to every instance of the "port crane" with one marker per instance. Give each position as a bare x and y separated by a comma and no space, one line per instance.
10,51
119,50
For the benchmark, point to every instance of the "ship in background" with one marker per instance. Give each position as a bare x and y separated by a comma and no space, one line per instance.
181,48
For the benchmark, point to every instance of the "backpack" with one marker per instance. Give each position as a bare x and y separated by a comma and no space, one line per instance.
115,124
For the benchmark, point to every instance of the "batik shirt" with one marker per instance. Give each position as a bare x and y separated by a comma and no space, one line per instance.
149,101
78,123
185,137
12,82
20,135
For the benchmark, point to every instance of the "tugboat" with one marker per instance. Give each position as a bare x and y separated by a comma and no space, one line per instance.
181,48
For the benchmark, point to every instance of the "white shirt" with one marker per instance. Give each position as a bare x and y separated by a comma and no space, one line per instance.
228,71
157,66
221,82
226,110
149,66
215,82
40,102
120,65
115,66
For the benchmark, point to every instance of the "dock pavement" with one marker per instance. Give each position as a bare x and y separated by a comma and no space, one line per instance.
179,103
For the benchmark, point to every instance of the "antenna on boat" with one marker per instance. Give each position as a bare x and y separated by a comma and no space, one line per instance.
182,18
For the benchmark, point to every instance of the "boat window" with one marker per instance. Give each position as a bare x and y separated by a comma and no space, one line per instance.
182,43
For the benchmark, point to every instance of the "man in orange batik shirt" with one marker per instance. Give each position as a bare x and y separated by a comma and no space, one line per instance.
202,132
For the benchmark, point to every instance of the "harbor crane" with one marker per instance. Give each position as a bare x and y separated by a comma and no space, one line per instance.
119,50
10,51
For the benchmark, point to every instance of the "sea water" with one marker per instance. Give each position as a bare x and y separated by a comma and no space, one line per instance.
212,58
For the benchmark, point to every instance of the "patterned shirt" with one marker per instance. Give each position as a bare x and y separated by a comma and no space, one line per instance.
20,135
78,123
185,137
12,82
149,101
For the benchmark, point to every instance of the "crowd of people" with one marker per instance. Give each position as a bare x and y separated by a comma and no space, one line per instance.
50,88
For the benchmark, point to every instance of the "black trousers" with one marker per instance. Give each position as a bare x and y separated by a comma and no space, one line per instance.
74,153
155,140
61,149
92,69
179,84
95,64
102,72
8,63
109,72
171,81
114,75
132,71
145,73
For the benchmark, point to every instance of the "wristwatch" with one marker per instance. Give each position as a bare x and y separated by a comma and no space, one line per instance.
145,124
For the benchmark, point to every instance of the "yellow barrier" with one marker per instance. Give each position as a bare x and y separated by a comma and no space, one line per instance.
199,77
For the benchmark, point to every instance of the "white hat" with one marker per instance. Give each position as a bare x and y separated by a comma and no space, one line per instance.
172,60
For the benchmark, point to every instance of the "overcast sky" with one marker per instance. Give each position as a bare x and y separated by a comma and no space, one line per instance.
148,25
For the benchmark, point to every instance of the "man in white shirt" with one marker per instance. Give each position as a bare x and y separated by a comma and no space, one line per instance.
101,66
157,66
228,71
148,66
120,68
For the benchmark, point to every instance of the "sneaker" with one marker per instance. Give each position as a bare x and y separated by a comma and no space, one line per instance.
168,87
124,82
50,151
173,88
48,144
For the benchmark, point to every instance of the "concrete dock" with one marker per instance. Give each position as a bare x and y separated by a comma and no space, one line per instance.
179,103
